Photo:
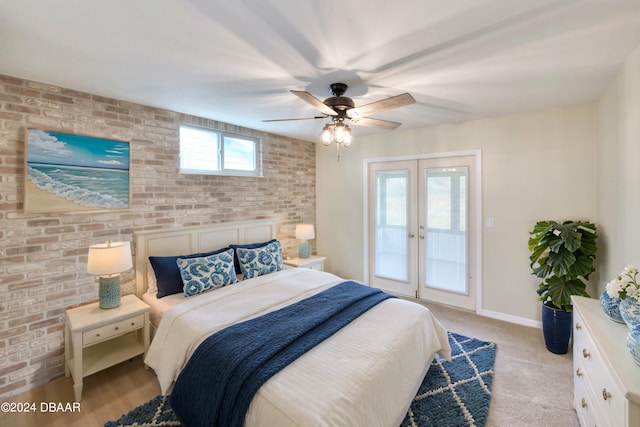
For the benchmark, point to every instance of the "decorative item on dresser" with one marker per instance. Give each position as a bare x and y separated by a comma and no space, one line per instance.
611,306
108,260
304,232
625,289
97,339
606,379
313,261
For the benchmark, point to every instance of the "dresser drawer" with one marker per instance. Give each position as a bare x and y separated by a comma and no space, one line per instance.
109,331
600,386
582,400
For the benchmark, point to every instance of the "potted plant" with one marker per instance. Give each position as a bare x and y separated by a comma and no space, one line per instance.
562,254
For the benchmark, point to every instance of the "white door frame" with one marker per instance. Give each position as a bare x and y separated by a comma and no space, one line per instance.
477,154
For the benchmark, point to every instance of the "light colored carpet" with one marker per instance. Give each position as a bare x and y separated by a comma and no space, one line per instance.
531,386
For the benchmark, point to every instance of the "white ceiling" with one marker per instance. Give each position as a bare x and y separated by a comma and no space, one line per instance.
236,60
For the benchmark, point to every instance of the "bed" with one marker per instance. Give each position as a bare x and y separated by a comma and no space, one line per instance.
365,374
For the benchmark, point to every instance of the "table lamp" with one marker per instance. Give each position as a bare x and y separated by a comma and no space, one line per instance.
304,232
108,260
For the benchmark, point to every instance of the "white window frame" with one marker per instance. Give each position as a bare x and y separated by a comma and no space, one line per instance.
218,168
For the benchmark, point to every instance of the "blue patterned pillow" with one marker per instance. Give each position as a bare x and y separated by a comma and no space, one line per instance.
168,278
259,261
202,274
234,246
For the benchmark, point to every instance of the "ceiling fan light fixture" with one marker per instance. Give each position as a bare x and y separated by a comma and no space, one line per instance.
347,137
339,133
326,136
343,134
341,108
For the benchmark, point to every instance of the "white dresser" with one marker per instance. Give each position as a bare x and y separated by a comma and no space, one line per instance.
605,377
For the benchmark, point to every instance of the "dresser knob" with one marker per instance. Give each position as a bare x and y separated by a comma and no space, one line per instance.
583,403
578,372
97,335
578,326
133,323
117,328
605,394
585,353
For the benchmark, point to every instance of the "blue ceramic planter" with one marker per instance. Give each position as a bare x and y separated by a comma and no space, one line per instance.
556,327
611,307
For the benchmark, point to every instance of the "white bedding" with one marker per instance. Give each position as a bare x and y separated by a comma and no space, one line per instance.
159,306
364,375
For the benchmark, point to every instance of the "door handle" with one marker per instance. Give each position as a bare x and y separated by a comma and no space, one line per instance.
411,235
422,236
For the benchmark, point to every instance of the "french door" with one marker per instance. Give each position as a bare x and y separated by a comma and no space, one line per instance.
392,226
422,233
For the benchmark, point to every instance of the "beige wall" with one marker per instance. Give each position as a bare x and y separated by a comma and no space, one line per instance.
535,166
43,257
618,166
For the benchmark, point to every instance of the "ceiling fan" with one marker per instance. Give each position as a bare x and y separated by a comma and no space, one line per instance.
341,108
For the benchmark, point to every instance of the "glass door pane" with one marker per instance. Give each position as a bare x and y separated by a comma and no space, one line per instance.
445,230
391,233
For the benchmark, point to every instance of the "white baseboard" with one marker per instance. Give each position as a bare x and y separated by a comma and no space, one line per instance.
512,319
486,313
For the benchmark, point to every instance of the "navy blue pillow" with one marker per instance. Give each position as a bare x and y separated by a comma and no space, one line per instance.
168,276
236,261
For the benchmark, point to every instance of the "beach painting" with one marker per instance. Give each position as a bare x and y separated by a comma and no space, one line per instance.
69,172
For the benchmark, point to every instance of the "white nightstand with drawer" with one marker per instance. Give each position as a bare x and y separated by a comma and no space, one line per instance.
314,262
96,339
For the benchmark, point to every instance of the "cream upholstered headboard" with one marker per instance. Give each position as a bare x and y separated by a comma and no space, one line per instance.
189,240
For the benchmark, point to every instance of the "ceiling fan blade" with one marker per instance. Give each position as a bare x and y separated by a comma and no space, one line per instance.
319,105
382,105
302,118
374,123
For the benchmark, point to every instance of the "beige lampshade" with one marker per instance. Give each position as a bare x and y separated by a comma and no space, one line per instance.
305,232
109,258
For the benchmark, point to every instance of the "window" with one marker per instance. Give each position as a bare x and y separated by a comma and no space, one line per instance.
446,199
392,202
210,152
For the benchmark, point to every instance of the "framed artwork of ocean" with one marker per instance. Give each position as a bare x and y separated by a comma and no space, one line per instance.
69,172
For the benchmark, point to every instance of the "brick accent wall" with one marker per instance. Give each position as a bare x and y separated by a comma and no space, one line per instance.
43,257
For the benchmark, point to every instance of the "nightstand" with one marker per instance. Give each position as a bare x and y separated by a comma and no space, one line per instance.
314,262
96,339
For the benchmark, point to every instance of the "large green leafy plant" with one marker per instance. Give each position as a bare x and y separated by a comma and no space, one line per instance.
563,256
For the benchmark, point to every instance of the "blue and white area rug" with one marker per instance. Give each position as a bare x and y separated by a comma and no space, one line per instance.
456,393
452,394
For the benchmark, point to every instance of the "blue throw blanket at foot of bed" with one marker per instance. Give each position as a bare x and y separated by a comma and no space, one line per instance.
218,383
